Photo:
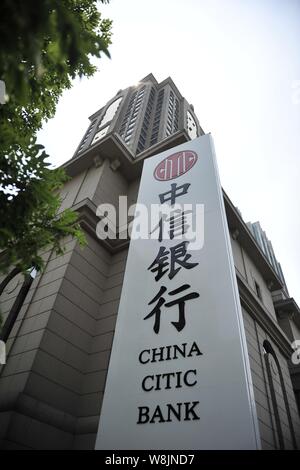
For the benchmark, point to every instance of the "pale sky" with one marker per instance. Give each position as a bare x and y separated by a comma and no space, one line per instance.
238,63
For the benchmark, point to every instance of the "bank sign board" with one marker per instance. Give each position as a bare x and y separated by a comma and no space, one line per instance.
179,376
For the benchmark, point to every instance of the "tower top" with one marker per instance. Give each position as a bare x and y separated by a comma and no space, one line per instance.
142,117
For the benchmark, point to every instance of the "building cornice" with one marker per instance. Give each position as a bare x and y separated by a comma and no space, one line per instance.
88,220
240,232
112,147
288,308
263,317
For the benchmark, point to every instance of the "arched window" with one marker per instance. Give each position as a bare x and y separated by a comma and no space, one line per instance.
17,305
273,367
110,112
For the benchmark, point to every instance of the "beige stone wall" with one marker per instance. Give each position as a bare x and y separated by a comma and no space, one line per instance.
59,348
246,267
96,364
59,351
255,336
24,345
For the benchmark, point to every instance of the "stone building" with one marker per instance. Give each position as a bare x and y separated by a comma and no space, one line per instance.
58,347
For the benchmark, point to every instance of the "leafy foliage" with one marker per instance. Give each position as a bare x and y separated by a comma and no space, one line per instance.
43,46
33,220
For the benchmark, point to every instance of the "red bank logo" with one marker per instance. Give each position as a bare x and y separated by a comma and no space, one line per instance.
175,165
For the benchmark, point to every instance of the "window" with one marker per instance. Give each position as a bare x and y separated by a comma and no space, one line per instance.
172,117
144,129
129,121
140,148
274,369
191,126
100,134
131,126
19,300
257,290
158,109
88,133
110,111
129,132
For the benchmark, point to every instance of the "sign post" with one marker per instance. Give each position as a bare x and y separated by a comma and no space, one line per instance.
179,375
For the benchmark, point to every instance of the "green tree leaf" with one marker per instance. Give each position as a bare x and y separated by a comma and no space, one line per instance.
43,46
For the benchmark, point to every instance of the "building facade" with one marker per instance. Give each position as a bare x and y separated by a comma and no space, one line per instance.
60,335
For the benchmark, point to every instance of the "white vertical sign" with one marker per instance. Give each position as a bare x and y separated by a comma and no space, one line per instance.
179,376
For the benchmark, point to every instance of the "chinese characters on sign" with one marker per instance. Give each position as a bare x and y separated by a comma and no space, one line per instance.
172,261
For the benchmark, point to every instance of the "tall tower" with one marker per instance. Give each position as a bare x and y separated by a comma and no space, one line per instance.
141,118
